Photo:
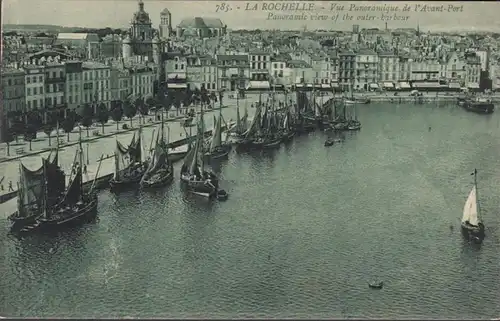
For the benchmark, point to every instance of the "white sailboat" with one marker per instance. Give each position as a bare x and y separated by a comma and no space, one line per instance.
472,226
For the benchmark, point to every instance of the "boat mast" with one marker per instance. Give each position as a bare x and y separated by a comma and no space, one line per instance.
477,193
80,162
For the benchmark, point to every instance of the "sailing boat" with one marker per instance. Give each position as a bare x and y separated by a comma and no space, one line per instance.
193,174
350,100
129,164
241,125
76,205
472,226
288,131
32,190
160,171
354,123
217,148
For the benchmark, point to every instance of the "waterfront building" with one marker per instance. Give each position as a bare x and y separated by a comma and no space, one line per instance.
366,70
301,73
55,86
202,72
425,69
334,69
96,84
176,70
74,85
404,73
233,72
320,63
34,80
121,83
142,77
472,71
13,91
279,71
454,68
389,70
260,65
13,97
200,28
347,69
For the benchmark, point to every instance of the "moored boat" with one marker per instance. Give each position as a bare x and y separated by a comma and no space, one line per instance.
217,149
194,178
160,171
129,165
37,188
75,206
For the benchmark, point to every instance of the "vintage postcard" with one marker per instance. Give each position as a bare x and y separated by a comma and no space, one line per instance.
249,159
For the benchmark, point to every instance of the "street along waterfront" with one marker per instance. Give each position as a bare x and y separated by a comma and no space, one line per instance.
304,231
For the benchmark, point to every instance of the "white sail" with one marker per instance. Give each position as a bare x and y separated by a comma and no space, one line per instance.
471,209
217,135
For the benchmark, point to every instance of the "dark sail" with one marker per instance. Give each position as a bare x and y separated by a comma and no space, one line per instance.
74,191
56,180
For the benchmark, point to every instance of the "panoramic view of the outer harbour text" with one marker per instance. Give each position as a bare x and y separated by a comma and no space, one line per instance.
207,159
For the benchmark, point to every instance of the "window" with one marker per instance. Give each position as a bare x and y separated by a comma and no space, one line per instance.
9,82
29,104
35,104
176,67
34,91
41,90
28,91
40,78
182,66
28,80
70,99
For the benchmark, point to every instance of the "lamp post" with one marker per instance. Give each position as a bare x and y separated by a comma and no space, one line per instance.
88,162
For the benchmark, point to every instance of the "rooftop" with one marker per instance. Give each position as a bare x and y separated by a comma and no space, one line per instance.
94,65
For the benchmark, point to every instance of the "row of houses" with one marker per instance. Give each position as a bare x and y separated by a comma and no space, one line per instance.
361,70
63,85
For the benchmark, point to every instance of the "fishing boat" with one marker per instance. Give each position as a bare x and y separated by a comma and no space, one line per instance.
160,171
376,285
42,186
241,125
472,226
252,138
194,177
75,206
129,164
288,132
217,149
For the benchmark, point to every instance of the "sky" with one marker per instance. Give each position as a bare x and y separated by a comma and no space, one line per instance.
474,15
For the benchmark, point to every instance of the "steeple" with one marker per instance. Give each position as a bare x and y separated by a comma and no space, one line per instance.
141,5
418,29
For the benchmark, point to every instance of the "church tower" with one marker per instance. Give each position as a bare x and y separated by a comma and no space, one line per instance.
165,26
141,33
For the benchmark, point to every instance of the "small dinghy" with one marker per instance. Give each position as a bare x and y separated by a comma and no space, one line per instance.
376,285
222,195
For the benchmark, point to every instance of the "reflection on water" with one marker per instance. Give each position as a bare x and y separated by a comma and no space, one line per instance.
303,232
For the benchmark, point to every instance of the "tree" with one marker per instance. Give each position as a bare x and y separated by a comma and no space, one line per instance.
87,115
30,134
129,110
177,101
141,106
48,127
102,115
150,102
8,137
69,122
34,119
205,97
117,112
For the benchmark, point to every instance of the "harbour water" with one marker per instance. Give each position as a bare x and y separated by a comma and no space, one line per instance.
303,232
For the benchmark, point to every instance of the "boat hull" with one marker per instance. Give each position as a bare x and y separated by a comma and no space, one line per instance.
473,233
126,183
479,108
221,152
70,217
271,143
162,181
176,156
199,187
19,223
